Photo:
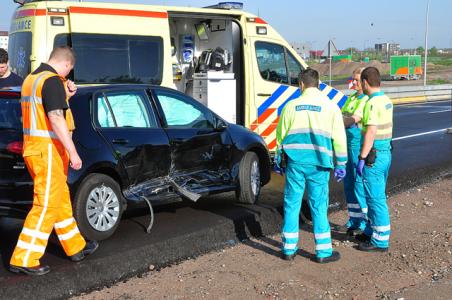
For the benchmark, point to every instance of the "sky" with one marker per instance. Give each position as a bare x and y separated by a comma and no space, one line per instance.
359,24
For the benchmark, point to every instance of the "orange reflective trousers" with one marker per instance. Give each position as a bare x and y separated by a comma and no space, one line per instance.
52,207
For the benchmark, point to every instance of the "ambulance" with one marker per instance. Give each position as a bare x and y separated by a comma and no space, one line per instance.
230,60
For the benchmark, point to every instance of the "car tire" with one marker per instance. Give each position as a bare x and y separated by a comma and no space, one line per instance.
249,179
98,206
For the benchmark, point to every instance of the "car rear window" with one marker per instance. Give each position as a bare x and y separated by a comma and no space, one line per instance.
10,111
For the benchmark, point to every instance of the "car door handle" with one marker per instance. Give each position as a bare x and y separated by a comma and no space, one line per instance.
120,141
264,95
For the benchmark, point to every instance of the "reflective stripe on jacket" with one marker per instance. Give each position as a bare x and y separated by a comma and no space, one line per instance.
311,130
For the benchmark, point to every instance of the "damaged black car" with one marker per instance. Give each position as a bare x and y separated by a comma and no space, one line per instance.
139,144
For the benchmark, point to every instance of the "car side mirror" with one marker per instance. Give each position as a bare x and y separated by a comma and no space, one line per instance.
221,125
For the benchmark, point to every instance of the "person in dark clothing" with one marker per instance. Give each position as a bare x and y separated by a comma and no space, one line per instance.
7,78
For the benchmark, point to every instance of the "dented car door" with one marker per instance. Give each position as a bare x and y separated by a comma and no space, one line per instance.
126,119
200,152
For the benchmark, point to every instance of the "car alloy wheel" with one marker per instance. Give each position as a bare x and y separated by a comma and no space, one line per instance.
102,208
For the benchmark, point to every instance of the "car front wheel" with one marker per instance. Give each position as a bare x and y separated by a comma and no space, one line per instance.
249,179
98,206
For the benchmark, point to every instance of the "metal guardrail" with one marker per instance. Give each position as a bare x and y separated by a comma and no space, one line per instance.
407,94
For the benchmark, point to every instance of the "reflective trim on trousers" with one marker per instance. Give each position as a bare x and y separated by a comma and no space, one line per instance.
68,235
35,233
356,215
290,246
30,247
323,246
353,205
63,223
381,228
380,237
325,235
290,235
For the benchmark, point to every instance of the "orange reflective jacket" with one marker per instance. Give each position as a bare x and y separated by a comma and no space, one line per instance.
36,126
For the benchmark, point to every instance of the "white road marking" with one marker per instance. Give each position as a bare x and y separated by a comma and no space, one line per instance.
418,134
439,111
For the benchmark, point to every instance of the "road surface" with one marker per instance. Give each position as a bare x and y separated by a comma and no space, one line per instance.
422,149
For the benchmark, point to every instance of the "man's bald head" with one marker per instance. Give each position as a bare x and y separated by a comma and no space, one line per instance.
63,54
62,59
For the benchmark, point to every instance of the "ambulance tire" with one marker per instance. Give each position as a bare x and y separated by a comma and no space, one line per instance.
89,190
249,175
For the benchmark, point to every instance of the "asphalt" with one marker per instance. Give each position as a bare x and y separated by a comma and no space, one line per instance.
185,230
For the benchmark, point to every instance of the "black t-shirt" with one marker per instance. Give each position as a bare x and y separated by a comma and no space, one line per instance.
53,92
12,80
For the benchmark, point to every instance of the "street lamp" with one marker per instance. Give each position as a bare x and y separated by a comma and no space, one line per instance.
426,38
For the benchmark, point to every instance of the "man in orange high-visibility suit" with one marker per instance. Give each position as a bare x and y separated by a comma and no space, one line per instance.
48,149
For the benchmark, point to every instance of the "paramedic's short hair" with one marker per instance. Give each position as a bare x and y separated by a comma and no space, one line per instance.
63,53
309,77
372,76
358,70
3,56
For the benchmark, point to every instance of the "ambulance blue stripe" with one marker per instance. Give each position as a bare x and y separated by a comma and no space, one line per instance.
267,103
322,86
342,101
332,94
295,95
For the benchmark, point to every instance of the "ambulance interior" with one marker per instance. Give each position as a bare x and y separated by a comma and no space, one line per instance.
207,62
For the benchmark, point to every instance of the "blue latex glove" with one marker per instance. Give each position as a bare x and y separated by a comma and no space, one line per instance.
360,167
339,174
279,170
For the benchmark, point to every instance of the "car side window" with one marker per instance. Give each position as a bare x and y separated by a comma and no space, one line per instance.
124,109
180,112
271,62
294,69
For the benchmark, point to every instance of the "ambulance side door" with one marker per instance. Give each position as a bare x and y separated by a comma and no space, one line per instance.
275,79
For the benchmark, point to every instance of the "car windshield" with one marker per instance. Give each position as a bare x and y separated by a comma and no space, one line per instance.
10,114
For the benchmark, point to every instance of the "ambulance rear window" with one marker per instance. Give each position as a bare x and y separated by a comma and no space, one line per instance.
19,51
102,58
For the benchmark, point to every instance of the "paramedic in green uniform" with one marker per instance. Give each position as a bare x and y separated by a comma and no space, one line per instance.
352,112
311,137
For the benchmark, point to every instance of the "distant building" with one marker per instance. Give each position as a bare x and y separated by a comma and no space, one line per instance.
302,49
315,54
388,48
4,39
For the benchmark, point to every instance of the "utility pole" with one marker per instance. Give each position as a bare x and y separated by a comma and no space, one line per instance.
426,44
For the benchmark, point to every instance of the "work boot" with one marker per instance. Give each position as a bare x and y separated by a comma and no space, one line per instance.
90,247
34,271
335,256
288,257
354,232
362,238
369,247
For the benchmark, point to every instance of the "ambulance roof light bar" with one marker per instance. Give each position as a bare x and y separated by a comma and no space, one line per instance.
227,5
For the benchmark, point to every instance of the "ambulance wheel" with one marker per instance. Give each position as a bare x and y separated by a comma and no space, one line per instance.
249,179
98,205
